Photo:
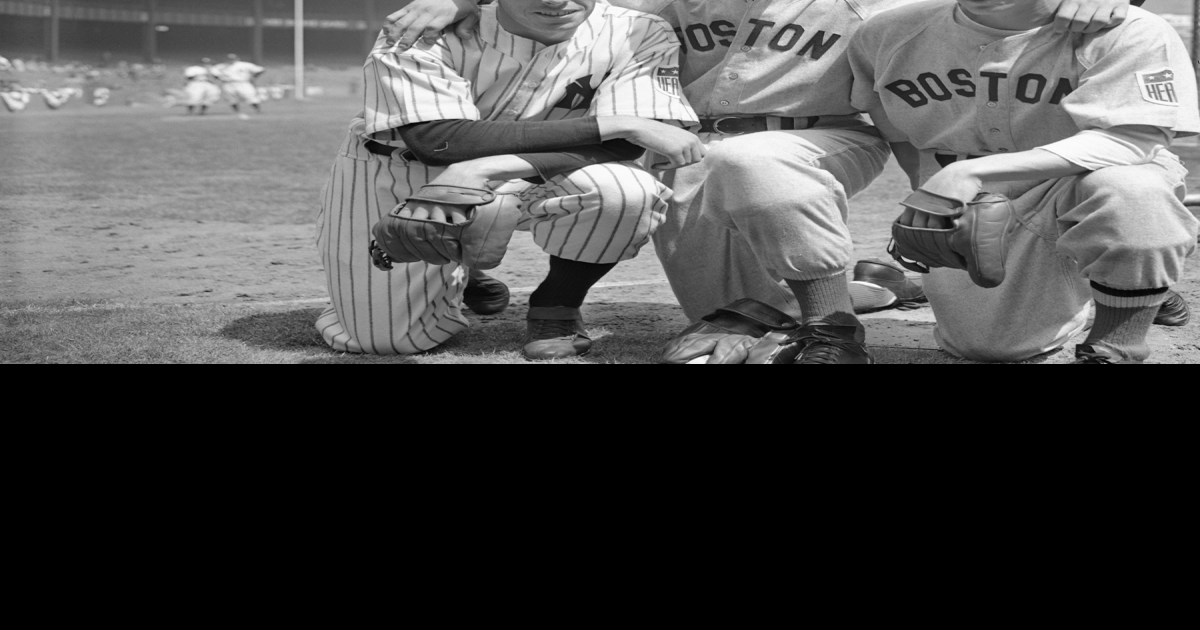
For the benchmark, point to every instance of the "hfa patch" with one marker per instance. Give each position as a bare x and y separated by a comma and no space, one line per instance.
1159,87
666,80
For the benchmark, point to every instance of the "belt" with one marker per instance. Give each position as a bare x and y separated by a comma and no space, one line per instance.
378,148
736,125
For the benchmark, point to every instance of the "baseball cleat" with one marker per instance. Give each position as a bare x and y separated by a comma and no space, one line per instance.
1086,354
1173,312
818,344
555,332
485,295
880,285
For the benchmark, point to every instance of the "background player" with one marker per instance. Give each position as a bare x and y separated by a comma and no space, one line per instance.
542,76
1072,128
238,77
200,90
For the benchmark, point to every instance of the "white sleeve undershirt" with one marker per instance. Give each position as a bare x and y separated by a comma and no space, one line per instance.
1126,145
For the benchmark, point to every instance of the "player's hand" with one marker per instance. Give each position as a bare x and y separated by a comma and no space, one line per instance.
955,181
439,212
1090,16
426,19
680,146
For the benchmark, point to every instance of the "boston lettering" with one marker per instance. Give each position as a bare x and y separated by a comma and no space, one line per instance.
786,38
928,87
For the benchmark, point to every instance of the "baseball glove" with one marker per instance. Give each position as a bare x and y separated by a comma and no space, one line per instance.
480,243
977,242
729,334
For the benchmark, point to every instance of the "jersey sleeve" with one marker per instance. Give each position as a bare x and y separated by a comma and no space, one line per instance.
865,54
648,83
414,86
1140,74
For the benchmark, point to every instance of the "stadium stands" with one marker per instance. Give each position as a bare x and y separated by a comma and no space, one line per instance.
144,30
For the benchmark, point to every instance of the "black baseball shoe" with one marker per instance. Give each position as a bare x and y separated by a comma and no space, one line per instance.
880,285
485,295
1087,354
824,344
1173,312
555,332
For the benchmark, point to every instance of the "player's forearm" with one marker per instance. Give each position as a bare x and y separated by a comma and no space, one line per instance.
489,169
446,142
550,165
1126,145
1023,166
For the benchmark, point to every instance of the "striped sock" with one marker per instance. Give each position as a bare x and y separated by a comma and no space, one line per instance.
826,300
1124,318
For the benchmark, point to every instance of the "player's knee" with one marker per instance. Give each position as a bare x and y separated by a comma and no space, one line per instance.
620,188
1126,184
739,157
1138,215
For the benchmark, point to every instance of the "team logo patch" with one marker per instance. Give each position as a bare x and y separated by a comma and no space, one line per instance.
1159,87
580,95
666,80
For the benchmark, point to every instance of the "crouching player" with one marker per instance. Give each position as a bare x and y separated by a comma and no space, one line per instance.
550,104
982,95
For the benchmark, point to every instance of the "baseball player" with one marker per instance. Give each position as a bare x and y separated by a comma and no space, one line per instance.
200,89
764,215
980,95
551,102
238,83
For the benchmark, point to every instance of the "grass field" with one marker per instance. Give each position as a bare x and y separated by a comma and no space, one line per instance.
142,235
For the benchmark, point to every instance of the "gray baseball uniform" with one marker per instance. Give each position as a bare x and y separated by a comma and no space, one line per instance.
769,204
957,90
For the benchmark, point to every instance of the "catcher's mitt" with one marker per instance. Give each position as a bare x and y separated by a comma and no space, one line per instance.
480,243
729,334
977,242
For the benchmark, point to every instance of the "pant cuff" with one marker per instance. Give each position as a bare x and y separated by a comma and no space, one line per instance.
815,275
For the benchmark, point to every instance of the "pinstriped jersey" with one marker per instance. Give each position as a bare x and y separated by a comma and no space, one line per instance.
619,63
766,57
930,76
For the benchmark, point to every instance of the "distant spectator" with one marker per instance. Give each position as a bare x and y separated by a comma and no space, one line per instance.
55,99
5,65
14,97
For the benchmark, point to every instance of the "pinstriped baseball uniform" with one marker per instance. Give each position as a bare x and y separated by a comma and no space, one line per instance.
619,63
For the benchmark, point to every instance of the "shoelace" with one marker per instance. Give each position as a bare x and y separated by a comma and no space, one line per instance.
823,349
552,328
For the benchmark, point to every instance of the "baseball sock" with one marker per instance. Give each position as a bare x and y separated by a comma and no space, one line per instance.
568,282
827,300
1124,318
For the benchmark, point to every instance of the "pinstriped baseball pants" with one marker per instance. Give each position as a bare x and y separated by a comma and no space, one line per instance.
599,214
